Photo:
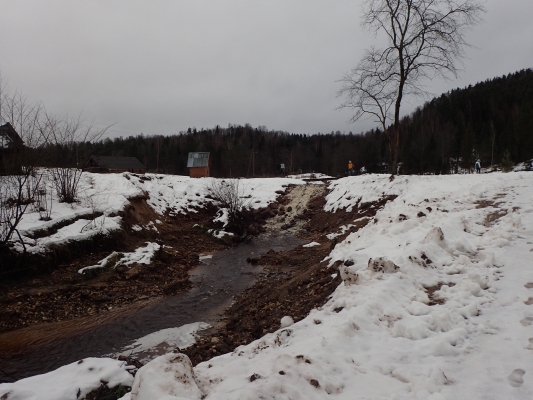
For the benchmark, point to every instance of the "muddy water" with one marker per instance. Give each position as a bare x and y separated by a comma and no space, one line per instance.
39,349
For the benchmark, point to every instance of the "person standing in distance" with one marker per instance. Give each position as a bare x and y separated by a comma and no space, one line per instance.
478,167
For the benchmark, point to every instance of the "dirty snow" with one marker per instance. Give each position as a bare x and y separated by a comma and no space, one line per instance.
298,200
436,303
164,340
70,382
219,233
141,255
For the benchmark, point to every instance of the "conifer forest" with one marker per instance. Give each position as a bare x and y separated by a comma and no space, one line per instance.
490,121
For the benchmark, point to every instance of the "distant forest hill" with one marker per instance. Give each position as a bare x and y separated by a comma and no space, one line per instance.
449,132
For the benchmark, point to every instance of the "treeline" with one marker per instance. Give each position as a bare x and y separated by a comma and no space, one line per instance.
244,151
483,122
478,122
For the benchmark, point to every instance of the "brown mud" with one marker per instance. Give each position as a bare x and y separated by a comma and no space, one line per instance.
64,294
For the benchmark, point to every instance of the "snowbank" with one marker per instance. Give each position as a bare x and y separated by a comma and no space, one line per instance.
70,382
166,340
103,196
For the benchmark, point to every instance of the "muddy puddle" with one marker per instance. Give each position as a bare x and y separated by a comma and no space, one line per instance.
42,348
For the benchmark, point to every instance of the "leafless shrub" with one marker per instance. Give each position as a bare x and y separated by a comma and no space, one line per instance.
69,133
20,178
66,181
229,194
95,223
17,193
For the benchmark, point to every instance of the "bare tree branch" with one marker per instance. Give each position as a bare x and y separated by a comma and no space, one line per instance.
69,133
426,38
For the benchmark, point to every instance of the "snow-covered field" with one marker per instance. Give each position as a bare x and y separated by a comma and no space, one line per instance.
106,195
436,303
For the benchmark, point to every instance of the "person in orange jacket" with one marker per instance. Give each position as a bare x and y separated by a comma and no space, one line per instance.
350,168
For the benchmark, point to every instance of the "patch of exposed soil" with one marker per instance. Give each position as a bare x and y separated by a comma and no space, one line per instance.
484,203
65,294
293,283
433,298
493,217
103,392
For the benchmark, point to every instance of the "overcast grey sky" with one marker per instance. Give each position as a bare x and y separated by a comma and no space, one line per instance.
160,67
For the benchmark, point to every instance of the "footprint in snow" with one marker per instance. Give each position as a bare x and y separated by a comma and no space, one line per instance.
529,301
530,346
527,321
516,378
530,284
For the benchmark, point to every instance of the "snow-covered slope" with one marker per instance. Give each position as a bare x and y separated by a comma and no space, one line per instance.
438,304
381,336
104,195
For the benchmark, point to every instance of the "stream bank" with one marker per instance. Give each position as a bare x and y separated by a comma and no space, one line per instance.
215,282
294,280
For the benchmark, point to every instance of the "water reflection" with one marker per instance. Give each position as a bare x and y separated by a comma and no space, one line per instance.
43,348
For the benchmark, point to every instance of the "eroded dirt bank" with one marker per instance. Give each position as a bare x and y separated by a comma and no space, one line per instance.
293,283
64,294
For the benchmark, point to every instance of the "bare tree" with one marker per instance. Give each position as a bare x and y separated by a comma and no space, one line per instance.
22,181
17,192
425,39
68,134
20,177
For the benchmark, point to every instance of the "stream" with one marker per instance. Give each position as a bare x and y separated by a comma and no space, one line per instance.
45,347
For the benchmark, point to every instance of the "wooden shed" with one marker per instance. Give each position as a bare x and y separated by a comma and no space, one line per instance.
9,138
109,164
11,146
199,164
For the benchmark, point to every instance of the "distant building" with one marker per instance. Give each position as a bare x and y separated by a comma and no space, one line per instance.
9,138
199,164
114,164
11,149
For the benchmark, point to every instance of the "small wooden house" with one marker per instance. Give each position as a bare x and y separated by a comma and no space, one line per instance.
199,164
9,138
11,147
110,164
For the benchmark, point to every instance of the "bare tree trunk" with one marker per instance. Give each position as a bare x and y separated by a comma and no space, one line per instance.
424,38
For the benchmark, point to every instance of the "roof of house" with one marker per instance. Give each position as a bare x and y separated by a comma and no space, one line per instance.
117,162
11,135
198,159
